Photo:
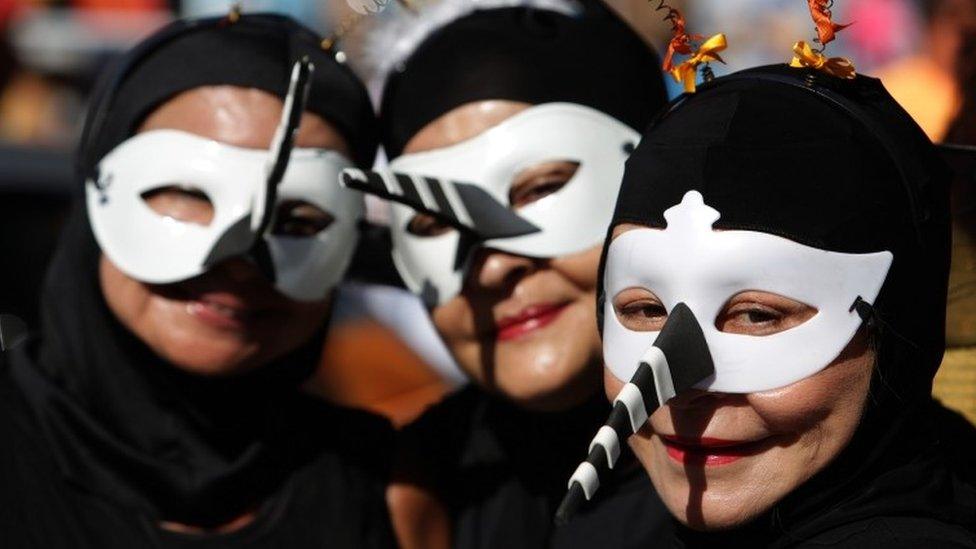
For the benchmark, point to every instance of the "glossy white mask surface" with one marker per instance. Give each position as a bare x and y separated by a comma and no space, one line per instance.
572,219
159,249
690,262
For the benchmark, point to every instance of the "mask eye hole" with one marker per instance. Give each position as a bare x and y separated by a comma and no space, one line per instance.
639,310
539,181
760,313
300,219
427,225
180,202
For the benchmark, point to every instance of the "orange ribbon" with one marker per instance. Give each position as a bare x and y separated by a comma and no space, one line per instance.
686,73
805,56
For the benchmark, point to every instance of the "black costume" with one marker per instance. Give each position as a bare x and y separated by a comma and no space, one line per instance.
501,470
837,165
104,440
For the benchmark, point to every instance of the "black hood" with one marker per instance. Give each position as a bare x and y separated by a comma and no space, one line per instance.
524,54
837,165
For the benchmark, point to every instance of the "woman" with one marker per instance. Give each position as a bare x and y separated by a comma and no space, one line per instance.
531,110
813,251
160,404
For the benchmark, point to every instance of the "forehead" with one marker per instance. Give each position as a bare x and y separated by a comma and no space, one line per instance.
463,123
626,227
243,117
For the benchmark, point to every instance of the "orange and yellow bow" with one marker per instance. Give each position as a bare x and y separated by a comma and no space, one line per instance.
686,72
805,56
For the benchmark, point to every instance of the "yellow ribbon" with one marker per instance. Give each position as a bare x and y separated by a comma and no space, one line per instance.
805,56
687,72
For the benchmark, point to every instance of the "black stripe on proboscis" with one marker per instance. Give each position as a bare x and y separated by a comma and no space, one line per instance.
437,191
375,182
619,421
571,502
409,190
576,495
644,380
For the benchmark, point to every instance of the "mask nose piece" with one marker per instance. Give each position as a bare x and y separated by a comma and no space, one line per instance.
234,241
677,360
260,254
239,240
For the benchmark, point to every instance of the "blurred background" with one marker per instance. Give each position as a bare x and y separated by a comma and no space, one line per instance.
382,354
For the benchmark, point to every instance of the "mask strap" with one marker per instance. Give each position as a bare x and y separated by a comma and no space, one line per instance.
869,315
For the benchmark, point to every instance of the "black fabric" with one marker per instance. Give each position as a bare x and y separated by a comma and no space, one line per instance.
258,51
529,55
335,500
105,439
780,150
122,423
501,472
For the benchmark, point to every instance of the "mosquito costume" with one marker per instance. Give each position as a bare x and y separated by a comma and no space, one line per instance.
841,205
592,85
104,440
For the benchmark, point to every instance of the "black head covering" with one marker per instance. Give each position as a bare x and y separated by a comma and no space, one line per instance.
122,422
838,165
257,51
524,54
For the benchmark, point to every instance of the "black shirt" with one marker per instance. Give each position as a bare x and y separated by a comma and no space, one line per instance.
335,501
501,472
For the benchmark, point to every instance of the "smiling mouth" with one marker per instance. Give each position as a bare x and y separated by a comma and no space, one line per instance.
527,321
709,451
219,315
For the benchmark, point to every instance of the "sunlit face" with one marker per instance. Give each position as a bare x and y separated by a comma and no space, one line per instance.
524,327
230,318
719,460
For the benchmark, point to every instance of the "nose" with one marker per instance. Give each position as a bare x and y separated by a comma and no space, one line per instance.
696,399
497,270
239,270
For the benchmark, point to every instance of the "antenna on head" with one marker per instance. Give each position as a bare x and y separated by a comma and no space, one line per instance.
283,142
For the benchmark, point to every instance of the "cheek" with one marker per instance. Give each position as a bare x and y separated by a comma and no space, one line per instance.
454,321
126,297
611,385
831,398
580,269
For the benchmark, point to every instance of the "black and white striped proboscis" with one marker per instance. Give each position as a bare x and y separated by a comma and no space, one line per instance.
463,206
678,360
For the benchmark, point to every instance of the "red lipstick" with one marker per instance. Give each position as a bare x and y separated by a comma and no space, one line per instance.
220,311
527,321
707,451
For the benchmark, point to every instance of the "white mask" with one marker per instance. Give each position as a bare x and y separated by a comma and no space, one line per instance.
568,221
158,249
690,262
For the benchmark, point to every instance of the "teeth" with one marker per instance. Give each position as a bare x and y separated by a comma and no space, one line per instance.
222,310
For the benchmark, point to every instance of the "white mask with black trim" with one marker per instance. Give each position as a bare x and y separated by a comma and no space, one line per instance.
689,262
568,221
159,249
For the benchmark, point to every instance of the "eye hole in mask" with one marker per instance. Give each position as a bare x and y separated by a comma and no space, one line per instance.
300,219
530,185
181,203
754,313
541,180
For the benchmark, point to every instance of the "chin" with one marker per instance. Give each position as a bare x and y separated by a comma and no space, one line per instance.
209,358
204,352
706,508
551,388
